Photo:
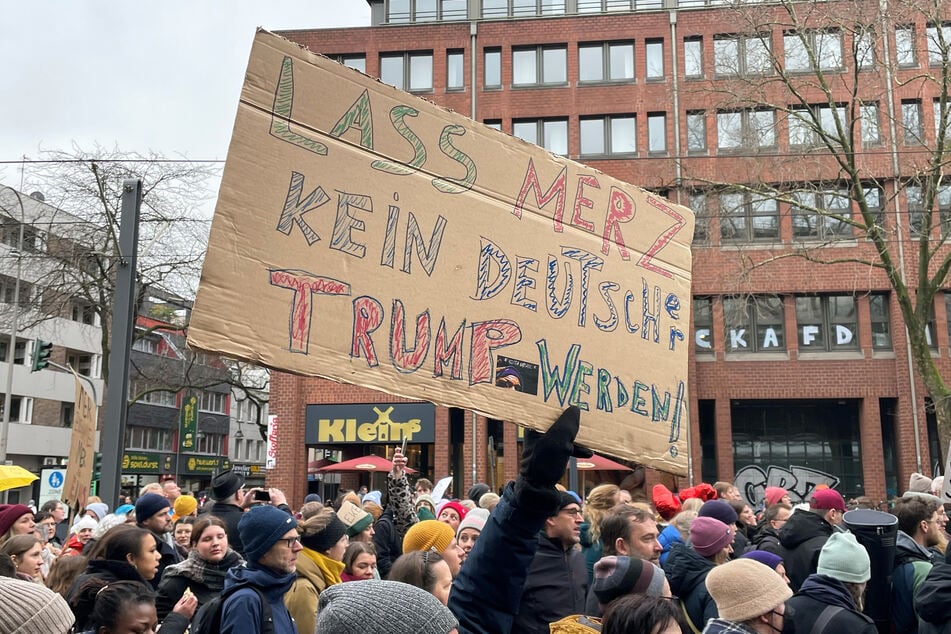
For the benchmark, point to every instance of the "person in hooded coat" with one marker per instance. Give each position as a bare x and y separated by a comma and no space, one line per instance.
933,599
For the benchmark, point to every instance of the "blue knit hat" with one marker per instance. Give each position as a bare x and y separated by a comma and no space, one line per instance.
150,504
764,557
260,527
718,509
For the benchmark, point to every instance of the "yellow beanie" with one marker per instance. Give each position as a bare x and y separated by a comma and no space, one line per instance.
184,506
428,534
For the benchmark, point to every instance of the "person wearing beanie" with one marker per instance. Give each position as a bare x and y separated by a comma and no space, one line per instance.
151,513
184,506
487,593
719,509
271,547
313,497
806,531
32,608
324,538
469,530
557,582
919,483
776,495
774,561
830,601
749,597
937,486
438,536
359,522
477,490
452,512
15,519
426,507
687,566
617,575
97,510
373,496
80,534
229,504
382,607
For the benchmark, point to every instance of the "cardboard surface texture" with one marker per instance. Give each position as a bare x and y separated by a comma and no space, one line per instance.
368,236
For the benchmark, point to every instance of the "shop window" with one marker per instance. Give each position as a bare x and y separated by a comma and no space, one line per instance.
455,70
822,215
412,72
703,325
827,323
608,135
492,68
888,414
746,217
754,324
693,57
540,66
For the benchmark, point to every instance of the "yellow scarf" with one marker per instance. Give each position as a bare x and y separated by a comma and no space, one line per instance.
329,568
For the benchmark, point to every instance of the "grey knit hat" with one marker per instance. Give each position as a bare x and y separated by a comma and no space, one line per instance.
396,607
31,608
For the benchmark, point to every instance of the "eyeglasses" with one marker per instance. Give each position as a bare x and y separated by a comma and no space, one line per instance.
574,511
291,541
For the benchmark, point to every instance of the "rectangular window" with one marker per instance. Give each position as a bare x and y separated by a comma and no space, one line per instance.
84,364
822,215
735,55
871,130
880,322
827,323
905,46
209,443
407,71
656,132
703,325
212,402
917,208
696,131
748,218
495,8
693,57
746,129
357,61
912,130
551,134
540,66
453,9
865,48
941,117
817,126
608,135
606,61
939,39
22,291
455,70
698,203
654,55
493,68
493,123
754,324
19,350
823,46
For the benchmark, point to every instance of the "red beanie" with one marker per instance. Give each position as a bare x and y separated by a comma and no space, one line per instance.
455,506
774,495
9,514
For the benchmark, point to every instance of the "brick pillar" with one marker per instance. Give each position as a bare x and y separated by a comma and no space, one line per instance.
472,444
870,425
290,473
725,470
441,448
511,444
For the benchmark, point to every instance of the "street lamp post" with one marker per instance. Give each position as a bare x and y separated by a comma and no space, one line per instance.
11,351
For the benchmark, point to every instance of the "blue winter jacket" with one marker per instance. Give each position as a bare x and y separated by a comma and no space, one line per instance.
667,538
241,613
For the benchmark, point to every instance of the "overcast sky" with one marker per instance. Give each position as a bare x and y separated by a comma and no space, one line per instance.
162,75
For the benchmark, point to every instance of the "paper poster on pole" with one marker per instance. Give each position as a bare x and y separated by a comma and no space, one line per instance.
270,460
82,450
368,236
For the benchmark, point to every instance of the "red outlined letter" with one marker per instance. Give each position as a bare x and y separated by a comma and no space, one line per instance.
367,317
620,209
557,190
408,360
582,201
304,285
647,260
486,337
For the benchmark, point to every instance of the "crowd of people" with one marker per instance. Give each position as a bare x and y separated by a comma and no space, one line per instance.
533,558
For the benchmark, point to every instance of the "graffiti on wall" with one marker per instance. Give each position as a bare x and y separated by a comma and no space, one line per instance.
800,482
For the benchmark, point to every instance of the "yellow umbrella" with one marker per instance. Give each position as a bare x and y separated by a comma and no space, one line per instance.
14,477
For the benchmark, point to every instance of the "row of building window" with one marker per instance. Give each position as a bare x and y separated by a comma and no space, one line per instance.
613,61
824,323
155,394
154,439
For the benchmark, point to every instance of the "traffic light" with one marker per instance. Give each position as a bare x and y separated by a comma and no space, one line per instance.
96,473
41,354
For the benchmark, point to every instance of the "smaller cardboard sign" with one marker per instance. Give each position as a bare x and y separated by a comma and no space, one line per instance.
271,460
82,449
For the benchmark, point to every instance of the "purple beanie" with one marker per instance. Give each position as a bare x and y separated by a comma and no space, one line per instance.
708,535
718,509
764,557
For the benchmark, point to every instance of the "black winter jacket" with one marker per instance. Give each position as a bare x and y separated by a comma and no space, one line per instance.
387,540
686,572
767,538
555,587
933,601
818,593
801,539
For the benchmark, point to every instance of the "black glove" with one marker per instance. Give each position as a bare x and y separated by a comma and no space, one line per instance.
545,456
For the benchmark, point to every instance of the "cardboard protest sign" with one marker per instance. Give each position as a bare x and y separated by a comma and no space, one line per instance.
371,237
82,448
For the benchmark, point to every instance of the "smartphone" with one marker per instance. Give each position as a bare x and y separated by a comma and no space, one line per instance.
403,448
262,496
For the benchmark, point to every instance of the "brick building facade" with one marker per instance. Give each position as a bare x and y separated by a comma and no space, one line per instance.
799,372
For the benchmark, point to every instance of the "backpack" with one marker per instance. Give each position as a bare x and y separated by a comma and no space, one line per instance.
208,618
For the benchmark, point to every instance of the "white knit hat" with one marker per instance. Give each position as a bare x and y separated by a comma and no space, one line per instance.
476,518
843,558
84,522
32,608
